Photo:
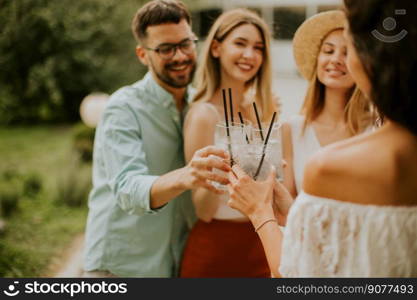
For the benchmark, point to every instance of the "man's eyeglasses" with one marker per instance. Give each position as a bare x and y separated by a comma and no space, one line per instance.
167,51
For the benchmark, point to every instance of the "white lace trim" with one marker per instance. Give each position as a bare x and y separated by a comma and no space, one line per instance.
326,237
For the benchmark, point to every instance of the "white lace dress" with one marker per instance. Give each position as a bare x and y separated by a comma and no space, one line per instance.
331,238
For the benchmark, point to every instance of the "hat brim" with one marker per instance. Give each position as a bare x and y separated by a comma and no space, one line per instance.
309,37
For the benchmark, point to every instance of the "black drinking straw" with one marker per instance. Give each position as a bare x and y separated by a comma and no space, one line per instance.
259,122
227,126
264,147
241,121
231,105
226,118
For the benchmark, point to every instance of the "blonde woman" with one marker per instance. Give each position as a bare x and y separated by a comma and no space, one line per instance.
236,55
334,109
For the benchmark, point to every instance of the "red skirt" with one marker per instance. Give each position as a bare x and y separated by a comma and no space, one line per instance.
224,248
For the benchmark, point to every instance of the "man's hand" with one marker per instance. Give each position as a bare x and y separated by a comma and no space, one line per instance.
199,170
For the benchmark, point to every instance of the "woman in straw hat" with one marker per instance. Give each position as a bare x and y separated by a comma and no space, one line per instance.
236,55
334,109
357,215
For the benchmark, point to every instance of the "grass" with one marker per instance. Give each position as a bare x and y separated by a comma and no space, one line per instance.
41,149
39,232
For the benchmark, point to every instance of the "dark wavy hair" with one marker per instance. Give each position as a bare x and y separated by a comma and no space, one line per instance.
390,66
158,12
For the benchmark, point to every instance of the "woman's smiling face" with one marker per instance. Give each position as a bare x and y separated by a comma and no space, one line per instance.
332,71
240,53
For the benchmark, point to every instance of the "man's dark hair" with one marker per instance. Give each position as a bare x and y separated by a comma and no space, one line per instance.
391,67
158,12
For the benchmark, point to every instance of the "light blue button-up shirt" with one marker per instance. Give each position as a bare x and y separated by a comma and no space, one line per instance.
138,139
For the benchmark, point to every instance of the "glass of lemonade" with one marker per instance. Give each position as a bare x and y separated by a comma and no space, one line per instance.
249,157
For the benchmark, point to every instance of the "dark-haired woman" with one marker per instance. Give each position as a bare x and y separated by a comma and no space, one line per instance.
357,216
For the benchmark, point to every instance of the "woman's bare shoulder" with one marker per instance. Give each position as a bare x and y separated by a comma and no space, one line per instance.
203,113
339,170
363,169
334,156
202,108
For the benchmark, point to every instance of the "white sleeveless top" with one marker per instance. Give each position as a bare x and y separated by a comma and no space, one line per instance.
224,211
331,238
303,147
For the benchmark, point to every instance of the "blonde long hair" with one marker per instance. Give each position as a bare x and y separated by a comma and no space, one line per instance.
208,72
359,112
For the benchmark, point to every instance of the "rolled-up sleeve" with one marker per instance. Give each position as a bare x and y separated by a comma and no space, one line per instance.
125,162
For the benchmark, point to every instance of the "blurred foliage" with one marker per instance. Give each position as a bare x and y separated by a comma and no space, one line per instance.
38,230
10,193
33,160
36,236
32,184
54,53
73,186
83,137
14,186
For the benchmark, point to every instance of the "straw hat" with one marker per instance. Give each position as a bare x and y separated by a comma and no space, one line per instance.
309,37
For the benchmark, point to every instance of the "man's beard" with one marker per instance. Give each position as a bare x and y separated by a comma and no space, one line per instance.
180,82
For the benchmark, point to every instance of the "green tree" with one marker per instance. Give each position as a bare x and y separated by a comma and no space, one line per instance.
53,53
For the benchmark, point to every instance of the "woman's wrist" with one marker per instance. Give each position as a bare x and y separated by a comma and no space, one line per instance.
259,218
271,220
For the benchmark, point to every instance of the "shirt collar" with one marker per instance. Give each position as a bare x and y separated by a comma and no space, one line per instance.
162,96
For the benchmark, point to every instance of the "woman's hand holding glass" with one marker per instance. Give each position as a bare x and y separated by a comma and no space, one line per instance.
253,198
259,200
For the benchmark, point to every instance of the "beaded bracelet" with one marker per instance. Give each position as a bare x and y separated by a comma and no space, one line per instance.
263,223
